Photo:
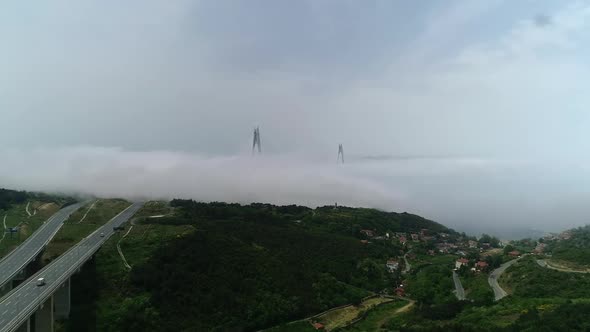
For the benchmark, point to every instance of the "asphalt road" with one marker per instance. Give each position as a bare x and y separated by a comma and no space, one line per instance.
499,293
19,304
15,261
459,291
407,266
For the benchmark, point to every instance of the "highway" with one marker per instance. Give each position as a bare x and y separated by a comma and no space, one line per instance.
459,291
17,306
499,293
15,261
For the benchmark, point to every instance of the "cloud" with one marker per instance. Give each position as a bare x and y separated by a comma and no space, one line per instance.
115,172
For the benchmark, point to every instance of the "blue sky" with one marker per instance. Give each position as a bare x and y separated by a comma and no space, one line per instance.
494,92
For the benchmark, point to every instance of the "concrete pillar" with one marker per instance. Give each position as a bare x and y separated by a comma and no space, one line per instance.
61,299
44,316
25,327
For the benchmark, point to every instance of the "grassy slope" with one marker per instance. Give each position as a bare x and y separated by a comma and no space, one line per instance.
73,230
115,295
377,317
17,215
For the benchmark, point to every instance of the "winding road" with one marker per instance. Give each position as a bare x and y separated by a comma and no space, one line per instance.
499,293
459,291
408,266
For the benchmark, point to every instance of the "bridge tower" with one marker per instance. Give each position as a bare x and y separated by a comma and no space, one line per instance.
340,154
256,142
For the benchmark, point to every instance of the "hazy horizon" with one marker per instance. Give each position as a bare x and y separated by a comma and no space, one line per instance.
472,114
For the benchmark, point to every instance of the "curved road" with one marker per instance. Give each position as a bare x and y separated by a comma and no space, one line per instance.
16,260
18,305
499,293
459,291
408,266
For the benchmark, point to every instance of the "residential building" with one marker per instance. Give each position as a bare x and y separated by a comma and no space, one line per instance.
460,262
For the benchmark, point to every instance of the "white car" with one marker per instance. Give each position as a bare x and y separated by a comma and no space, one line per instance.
41,282
101,234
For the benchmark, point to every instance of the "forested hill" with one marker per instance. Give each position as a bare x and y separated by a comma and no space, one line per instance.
339,219
249,267
572,245
9,197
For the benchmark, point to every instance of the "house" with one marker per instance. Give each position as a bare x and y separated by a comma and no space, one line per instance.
415,237
481,265
460,262
368,232
318,326
431,252
364,241
540,248
423,231
400,291
514,253
472,244
403,240
392,265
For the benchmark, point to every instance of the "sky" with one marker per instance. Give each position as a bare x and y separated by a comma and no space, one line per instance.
471,113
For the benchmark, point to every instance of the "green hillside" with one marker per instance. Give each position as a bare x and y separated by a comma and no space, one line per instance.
230,267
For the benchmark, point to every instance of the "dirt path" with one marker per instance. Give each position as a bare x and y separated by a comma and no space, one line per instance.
406,308
125,263
27,209
90,208
398,311
4,232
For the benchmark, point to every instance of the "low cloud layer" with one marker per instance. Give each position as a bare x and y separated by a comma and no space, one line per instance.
112,172
471,194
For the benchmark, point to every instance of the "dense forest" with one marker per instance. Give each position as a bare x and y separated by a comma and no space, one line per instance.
10,197
247,267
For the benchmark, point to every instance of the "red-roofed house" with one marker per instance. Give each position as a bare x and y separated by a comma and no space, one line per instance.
514,253
400,291
318,326
481,265
460,262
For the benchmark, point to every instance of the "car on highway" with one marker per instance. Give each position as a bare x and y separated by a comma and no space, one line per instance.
101,234
41,282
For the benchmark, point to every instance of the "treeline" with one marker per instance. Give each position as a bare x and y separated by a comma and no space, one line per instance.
9,197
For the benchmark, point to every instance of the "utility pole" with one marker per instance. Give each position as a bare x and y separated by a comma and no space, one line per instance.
256,142
340,154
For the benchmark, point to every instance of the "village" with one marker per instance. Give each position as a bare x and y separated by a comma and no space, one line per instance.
472,255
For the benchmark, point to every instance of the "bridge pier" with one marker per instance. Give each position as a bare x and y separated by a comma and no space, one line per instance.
44,316
61,300
25,327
